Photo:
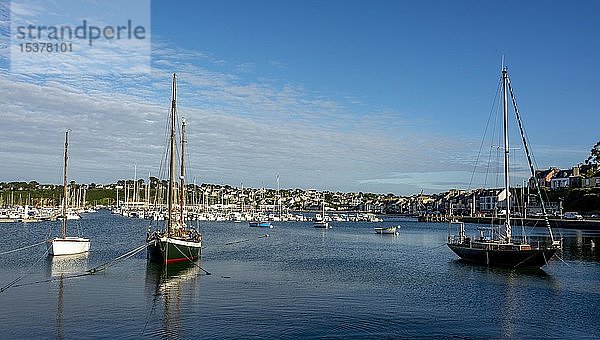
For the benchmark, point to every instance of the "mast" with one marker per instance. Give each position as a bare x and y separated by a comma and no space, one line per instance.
172,157
182,185
135,184
278,198
506,151
64,207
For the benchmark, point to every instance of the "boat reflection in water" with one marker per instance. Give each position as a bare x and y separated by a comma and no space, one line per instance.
505,287
62,267
168,288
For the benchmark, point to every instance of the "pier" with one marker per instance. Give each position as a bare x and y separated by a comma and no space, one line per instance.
531,222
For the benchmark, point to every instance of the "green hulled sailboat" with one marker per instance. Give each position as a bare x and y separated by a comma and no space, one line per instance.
176,242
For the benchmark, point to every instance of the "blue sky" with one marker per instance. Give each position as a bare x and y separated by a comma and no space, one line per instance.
384,96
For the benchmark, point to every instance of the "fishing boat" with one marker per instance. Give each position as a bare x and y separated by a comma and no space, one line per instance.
388,230
176,242
67,245
497,246
260,224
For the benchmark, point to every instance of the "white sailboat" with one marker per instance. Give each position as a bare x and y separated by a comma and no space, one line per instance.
388,230
67,245
320,221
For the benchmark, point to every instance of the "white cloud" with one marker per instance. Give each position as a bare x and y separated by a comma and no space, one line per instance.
238,130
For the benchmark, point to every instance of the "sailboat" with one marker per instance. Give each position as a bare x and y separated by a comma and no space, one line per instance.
320,221
387,230
501,248
67,245
177,242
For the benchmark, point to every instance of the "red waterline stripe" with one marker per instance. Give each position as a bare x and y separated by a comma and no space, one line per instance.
181,259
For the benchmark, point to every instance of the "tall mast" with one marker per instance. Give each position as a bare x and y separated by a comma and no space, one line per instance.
506,151
64,207
182,185
172,156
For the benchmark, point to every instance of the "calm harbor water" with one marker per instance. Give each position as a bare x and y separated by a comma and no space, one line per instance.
300,282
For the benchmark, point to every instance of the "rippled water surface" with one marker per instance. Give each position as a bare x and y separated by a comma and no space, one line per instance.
300,282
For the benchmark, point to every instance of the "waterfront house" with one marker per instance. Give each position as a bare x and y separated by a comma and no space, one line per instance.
561,180
592,181
543,178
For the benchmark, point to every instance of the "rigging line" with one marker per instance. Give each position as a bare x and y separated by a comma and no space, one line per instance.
527,152
191,261
492,143
13,282
23,248
485,133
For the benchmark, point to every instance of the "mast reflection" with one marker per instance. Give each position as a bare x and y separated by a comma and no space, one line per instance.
61,267
170,288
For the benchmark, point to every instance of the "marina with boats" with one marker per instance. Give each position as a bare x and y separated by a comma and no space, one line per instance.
172,221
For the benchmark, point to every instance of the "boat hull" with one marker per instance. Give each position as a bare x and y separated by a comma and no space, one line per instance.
168,250
389,231
503,258
260,224
321,224
68,246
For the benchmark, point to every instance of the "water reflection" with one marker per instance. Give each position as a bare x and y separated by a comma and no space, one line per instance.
60,268
507,291
581,245
524,274
169,289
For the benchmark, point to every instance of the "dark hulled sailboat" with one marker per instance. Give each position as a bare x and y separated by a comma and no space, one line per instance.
502,249
177,242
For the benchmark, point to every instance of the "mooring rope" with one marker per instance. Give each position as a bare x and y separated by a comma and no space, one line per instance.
99,268
526,259
117,259
154,300
191,261
23,248
19,278
87,272
246,240
563,261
